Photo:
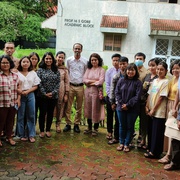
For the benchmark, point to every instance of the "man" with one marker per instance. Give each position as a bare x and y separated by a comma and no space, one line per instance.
108,79
77,66
139,59
123,63
9,49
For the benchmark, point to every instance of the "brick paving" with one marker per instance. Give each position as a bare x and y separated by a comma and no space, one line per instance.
70,156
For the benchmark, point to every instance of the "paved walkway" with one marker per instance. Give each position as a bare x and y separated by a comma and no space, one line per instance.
69,156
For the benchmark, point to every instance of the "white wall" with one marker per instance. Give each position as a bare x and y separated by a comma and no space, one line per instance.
137,39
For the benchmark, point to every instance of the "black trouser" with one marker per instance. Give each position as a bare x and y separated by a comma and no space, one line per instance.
46,108
96,125
176,152
110,115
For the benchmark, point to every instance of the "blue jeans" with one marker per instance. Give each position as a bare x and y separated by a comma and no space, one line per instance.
126,126
26,110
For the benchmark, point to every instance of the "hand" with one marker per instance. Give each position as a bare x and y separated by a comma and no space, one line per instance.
49,95
178,124
113,106
18,102
147,110
24,93
174,113
124,107
65,98
151,112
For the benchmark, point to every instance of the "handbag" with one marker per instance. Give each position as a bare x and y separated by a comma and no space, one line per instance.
172,130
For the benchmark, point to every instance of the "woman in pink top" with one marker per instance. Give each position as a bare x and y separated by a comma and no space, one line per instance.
93,79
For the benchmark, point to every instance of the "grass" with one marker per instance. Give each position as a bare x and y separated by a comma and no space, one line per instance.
19,53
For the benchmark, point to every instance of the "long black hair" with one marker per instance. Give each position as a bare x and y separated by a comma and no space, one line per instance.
53,65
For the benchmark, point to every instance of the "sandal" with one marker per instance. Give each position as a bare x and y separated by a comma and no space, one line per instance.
149,155
32,140
87,131
126,149
42,134
120,147
142,146
165,159
109,136
24,139
58,129
171,166
113,141
11,142
48,134
95,132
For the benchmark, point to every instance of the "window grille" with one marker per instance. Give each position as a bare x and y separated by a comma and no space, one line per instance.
175,48
161,46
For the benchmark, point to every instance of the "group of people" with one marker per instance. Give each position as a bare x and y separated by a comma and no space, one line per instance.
28,85
132,91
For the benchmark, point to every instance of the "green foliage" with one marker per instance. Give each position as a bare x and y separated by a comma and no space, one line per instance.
21,19
31,29
11,18
19,53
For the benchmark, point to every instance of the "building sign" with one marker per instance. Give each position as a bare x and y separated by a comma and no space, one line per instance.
83,23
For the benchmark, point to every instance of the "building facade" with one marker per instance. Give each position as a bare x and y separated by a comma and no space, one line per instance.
126,27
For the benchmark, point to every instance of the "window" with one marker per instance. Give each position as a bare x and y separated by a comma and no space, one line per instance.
168,1
167,49
112,42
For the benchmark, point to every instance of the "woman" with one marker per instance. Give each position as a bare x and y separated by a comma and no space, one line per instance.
30,81
34,57
128,93
156,109
173,88
48,92
63,90
153,63
93,79
9,97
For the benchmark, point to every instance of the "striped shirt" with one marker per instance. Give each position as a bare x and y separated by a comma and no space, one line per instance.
8,89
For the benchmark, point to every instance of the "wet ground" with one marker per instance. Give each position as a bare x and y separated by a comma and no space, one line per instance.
72,156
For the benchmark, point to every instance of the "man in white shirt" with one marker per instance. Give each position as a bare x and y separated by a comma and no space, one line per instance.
77,66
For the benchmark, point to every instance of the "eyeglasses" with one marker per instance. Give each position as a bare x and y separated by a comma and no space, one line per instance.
5,63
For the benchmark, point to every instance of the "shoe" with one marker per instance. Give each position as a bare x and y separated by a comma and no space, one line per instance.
48,134
11,142
113,141
67,128
120,147
58,129
32,140
171,166
76,128
126,149
109,136
87,131
95,132
165,159
42,134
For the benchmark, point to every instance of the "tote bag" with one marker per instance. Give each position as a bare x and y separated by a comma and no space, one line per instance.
172,130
